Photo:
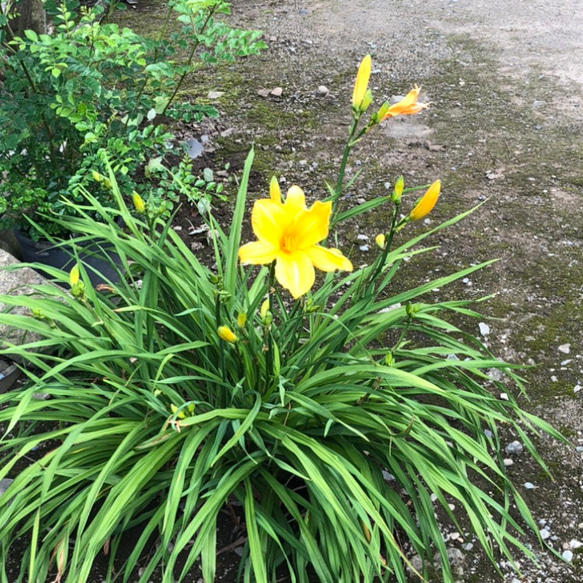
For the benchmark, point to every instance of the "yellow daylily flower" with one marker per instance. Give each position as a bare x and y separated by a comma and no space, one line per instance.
226,334
427,202
288,234
407,106
361,84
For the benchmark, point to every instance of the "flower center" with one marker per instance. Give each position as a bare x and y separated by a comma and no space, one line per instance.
289,242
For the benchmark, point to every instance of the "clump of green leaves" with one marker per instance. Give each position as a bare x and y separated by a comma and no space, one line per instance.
93,86
334,425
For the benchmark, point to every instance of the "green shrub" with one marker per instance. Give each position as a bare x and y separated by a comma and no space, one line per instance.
93,86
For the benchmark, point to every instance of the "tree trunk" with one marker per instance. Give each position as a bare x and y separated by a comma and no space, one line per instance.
31,15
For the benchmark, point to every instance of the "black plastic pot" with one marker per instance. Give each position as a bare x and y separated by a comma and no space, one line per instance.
9,374
98,257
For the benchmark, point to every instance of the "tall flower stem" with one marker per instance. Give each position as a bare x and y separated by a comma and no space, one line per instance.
353,138
382,258
268,336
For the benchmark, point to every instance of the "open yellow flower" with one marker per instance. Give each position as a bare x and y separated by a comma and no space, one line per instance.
427,202
407,106
288,234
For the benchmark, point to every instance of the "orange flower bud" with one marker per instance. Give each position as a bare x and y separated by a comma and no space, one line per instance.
427,202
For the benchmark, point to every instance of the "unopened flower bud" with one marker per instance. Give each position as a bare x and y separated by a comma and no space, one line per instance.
398,190
366,101
226,334
264,309
361,84
241,319
427,202
380,240
139,203
74,276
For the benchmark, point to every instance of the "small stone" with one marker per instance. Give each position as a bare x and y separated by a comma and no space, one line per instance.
575,544
277,92
508,462
362,237
451,507
488,433
364,248
4,483
504,396
565,348
515,447
576,388
484,329
529,485
468,546
263,92
454,536
544,534
323,90
388,476
568,556
215,94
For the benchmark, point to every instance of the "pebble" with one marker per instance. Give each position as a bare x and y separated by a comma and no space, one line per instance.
565,348
484,329
277,92
576,388
529,485
508,462
323,90
4,483
362,237
544,534
504,396
575,544
364,247
568,556
468,546
488,433
514,447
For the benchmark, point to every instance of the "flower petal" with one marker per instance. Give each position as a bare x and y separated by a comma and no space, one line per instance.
295,272
274,190
257,253
328,259
311,227
295,200
269,221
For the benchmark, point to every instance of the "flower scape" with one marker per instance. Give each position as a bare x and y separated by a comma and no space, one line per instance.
327,417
